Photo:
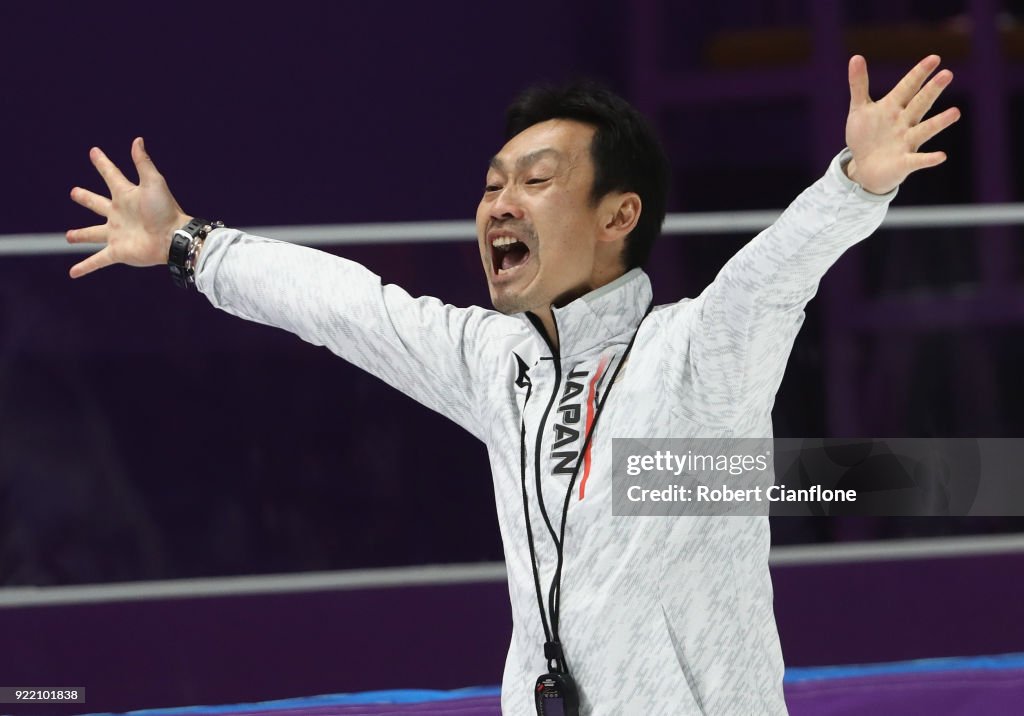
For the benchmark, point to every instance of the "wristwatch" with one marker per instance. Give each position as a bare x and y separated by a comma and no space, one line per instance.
185,243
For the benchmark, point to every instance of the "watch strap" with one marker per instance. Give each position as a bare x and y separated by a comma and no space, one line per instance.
181,257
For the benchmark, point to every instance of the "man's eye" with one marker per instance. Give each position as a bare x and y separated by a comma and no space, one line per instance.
538,180
491,187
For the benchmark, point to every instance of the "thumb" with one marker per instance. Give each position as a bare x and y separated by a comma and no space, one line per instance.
858,72
143,163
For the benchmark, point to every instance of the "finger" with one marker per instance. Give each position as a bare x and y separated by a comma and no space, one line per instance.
144,163
89,235
98,260
928,129
115,180
926,160
858,72
923,100
92,201
907,87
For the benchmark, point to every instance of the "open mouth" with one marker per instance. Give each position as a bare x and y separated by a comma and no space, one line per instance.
508,253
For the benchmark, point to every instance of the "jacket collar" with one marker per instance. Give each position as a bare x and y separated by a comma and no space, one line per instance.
603,314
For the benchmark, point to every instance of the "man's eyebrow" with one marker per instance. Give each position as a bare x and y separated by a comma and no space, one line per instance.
527,159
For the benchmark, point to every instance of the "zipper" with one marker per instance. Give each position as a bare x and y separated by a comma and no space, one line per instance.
553,650
557,359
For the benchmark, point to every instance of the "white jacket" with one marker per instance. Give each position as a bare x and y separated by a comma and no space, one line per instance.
659,615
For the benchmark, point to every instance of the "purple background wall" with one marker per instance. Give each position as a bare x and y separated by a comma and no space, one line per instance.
336,112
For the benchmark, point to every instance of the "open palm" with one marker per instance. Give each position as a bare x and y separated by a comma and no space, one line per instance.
140,217
885,136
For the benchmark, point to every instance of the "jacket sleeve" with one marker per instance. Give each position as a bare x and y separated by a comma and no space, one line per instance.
740,330
420,346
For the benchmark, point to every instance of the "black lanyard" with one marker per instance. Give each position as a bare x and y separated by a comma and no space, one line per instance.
553,651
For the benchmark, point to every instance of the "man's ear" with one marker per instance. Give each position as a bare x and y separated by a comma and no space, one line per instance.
620,211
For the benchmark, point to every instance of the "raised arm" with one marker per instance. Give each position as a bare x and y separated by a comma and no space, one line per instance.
420,346
743,325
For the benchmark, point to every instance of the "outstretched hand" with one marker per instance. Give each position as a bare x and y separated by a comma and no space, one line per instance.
884,136
140,218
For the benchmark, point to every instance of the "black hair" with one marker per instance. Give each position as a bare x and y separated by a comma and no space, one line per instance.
626,152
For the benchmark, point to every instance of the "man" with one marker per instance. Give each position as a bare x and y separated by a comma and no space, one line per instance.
647,617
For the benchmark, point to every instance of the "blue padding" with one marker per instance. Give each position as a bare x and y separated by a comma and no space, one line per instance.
415,696
956,663
404,696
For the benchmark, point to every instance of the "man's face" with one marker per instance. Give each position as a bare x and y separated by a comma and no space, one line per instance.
536,224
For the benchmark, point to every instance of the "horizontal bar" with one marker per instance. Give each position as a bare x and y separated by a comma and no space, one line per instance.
898,549
725,222
431,575
440,575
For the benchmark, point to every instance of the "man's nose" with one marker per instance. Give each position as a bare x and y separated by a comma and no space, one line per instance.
507,205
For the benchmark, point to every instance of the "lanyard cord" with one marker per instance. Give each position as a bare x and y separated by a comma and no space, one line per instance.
552,648
544,421
526,511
